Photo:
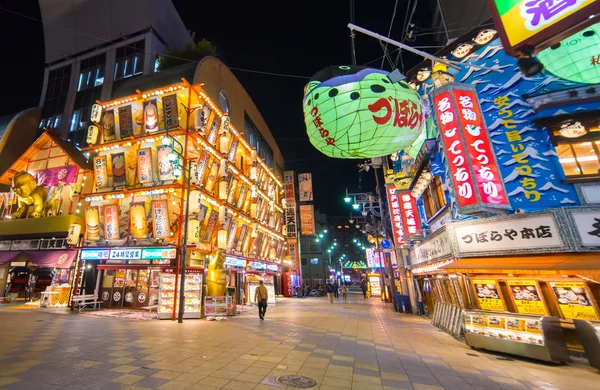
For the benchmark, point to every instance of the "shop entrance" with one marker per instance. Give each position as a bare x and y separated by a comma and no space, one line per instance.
129,288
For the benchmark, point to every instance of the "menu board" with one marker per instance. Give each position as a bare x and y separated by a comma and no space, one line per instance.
218,306
496,322
488,295
574,301
527,297
515,324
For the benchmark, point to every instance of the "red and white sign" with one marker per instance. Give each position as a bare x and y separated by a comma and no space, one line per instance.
410,214
479,147
395,214
455,150
293,252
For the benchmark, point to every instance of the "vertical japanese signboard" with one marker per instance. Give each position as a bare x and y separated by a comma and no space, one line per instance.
290,206
410,213
305,189
307,219
395,214
160,219
478,185
538,24
111,222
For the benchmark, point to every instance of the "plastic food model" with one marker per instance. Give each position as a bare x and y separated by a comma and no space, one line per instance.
357,112
28,193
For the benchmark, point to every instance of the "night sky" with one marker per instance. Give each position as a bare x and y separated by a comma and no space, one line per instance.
295,38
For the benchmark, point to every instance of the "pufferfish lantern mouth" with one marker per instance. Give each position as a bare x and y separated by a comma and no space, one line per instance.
357,112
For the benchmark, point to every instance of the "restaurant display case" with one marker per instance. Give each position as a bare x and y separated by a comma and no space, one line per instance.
193,295
524,335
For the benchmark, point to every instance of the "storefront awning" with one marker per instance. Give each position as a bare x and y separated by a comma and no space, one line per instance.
551,263
46,259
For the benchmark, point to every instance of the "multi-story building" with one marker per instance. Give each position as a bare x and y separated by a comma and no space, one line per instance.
313,257
92,47
508,188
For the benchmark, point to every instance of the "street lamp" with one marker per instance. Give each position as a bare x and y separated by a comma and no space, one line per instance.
356,206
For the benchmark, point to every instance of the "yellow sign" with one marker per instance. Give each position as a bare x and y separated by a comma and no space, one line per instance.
527,297
496,322
522,20
488,295
574,301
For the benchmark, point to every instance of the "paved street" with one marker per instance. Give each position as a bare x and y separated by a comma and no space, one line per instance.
353,345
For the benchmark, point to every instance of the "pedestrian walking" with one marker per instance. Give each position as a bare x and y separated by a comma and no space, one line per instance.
364,288
329,290
336,290
260,296
344,291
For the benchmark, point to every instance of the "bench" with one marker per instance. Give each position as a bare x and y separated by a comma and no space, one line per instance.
81,301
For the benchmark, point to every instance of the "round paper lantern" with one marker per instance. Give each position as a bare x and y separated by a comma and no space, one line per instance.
576,58
357,112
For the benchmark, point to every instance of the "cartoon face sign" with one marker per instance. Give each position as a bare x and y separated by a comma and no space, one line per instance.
357,112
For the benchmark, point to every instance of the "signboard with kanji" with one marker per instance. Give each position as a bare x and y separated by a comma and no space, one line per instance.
537,24
395,214
478,185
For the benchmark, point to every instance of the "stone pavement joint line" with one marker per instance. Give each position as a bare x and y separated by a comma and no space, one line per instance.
360,344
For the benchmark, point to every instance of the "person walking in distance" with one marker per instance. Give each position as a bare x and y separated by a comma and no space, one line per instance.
336,289
329,290
344,291
261,295
363,287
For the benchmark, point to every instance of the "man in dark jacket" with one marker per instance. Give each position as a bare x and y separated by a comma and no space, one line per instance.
329,290
364,287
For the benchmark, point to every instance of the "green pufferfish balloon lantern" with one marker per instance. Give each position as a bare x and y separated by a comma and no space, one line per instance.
357,112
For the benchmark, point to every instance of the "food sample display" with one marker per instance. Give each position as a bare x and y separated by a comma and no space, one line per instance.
253,282
193,295
505,326
531,336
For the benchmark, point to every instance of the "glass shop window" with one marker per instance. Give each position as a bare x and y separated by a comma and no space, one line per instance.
580,159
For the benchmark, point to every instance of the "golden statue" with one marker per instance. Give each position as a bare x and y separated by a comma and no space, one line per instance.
28,194
216,276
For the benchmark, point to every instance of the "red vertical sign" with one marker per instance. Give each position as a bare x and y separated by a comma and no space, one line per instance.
395,215
479,148
455,150
410,214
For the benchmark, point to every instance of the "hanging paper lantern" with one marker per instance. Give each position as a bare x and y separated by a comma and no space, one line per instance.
357,112
576,58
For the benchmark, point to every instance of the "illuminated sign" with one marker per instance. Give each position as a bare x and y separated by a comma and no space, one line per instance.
290,204
257,265
94,254
374,259
160,219
307,219
100,172
356,112
111,222
158,253
273,267
126,254
395,214
576,58
410,213
305,188
471,160
540,23
234,262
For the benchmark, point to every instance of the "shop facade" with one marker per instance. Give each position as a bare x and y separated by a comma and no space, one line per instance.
499,277
40,222
166,160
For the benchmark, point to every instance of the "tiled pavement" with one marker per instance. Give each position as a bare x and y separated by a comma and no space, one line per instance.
355,345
